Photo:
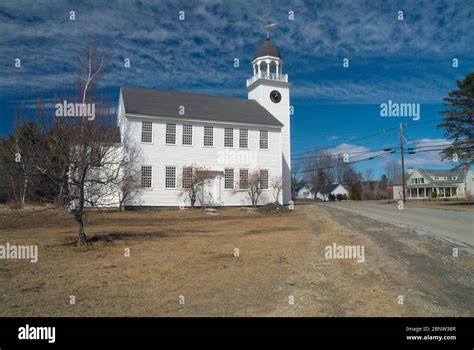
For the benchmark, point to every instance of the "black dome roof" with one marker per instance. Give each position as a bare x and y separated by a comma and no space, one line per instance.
267,49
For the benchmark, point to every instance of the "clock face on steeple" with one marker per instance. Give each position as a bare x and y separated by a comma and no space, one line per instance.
275,96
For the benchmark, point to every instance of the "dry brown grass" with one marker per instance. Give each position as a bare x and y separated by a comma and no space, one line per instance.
190,253
173,253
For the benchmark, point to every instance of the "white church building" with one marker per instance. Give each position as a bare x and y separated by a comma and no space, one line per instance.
228,137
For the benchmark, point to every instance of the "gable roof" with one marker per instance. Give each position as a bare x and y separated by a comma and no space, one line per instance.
430,174
163,103
328,188
399,181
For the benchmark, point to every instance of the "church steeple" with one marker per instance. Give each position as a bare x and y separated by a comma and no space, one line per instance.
267,63
270,88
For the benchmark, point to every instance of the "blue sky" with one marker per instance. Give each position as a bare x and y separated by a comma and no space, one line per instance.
407,61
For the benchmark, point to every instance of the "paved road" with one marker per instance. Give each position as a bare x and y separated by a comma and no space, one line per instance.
452,226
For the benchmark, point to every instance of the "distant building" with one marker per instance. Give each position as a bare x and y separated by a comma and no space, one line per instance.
334,189
431,183
307,192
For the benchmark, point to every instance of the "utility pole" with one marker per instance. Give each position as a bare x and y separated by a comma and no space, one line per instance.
402,161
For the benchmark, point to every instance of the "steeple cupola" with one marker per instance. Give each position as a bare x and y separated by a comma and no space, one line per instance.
267,63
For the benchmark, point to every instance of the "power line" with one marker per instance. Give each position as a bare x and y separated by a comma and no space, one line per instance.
380,131
344,164
336,132
423,123
464,148
384,149
411,146
385,154
312,148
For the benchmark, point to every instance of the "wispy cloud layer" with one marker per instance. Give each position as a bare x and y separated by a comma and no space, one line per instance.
428,153
409,59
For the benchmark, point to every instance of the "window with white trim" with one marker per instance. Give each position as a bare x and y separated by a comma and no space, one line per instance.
228,137
147,132
244,179
208,136
187,177
263,179
188,135
263,139
229,179
170,138
146,176
170,177
244,138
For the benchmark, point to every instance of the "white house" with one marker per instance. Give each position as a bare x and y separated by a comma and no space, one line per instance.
229,137
307,192
431,183
333,189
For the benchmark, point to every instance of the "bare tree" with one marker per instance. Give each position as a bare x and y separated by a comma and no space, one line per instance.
322,168
85,159
17,170
297,181
128,184
353,181
252,186
92,66
192,182
84,162
314,168
87,165
368,174
276,184
368,185
393,170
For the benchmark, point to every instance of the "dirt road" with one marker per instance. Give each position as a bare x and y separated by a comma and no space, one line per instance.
454,227
419,267
281,268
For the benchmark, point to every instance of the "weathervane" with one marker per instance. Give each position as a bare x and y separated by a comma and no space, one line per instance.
269,26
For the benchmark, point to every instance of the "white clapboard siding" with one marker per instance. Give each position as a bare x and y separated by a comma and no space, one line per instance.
159,155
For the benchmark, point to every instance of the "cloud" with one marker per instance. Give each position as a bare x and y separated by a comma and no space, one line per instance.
331,138
427,156
428,153
407,90
354,152
197,54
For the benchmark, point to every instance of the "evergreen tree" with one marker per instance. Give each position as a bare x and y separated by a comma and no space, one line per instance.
459,122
